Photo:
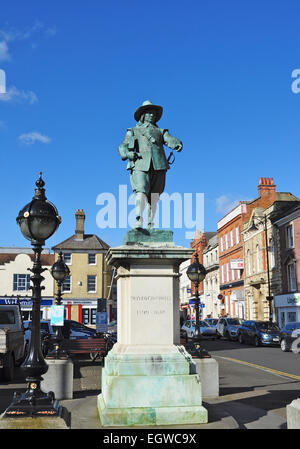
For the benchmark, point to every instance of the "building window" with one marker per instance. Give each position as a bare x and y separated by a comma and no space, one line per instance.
272,253
289,236
226,241
68,258
216,255
231,238
221,244
222,274
237,235
93,316
92,259
291,317
21,282
291,277
249,261
66,285
85,316
257,259
227,272
91,284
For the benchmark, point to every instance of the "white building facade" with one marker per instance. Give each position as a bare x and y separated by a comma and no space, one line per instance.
15,279
212,305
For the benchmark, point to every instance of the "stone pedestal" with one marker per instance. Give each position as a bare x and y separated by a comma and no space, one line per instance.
208,370
59,378
293,414
147,378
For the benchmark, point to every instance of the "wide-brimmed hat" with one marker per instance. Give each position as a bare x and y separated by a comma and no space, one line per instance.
145,107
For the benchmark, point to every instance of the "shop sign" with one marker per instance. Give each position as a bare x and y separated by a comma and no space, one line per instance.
237,264
291,299
57,315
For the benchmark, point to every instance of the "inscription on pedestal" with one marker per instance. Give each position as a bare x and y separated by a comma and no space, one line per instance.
152,315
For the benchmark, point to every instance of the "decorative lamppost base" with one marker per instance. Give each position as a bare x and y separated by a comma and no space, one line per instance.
33,403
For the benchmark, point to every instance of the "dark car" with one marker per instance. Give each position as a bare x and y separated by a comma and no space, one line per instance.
259,333
72,330
288,335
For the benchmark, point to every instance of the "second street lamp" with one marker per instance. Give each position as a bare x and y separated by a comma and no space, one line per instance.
196,274
60,271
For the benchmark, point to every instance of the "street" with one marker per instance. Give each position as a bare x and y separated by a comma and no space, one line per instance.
256,384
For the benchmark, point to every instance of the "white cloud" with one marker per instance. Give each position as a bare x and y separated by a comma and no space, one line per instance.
4,54
33,137
14,94
226,203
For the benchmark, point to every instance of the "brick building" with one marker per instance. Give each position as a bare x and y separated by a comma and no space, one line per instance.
287,299
258,281
231,261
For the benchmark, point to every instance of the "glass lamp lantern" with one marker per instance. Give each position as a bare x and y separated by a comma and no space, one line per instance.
39,219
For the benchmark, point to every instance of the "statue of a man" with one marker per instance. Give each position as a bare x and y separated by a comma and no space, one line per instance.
143,146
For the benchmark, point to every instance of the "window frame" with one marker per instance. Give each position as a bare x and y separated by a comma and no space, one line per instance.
89,276
63,289
92,263
289,235
289,265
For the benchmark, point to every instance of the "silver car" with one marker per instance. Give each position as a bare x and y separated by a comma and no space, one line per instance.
206,330
228,328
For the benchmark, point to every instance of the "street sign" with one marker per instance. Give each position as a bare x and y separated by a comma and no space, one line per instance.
101,321
57,315
189,290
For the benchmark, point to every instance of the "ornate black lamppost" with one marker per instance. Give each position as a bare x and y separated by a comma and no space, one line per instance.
59,272
196,273
38,220
269,298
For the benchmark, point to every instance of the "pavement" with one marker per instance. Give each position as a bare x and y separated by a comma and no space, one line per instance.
260,407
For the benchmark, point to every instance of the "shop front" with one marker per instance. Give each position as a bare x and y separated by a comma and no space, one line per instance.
287,308
26,306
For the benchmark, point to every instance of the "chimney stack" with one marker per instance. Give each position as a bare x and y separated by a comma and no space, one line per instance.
266,189
79,231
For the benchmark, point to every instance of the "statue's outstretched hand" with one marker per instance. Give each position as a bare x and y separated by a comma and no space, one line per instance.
178,148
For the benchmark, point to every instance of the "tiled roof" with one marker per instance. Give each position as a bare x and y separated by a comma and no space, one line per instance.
90,241
46,259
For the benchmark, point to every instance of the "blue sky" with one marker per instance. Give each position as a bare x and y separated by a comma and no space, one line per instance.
77,71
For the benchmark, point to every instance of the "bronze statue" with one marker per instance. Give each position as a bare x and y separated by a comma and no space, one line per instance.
143,146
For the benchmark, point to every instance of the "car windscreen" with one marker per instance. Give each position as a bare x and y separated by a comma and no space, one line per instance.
267,326
7,317
204,324
233,321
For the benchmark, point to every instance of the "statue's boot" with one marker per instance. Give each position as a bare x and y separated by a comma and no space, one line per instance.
151,210
140,199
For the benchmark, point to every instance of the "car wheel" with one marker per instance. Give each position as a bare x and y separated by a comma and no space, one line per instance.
240,338
256,342
284,346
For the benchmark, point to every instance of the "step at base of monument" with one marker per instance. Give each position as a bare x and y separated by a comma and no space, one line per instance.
150,416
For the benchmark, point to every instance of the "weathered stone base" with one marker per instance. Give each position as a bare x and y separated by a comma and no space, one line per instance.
153,416
150,388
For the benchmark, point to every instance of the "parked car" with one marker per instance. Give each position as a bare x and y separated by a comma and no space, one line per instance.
46,332
189,326
288,335
259,333
212,322
228,327
12,343
72,329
